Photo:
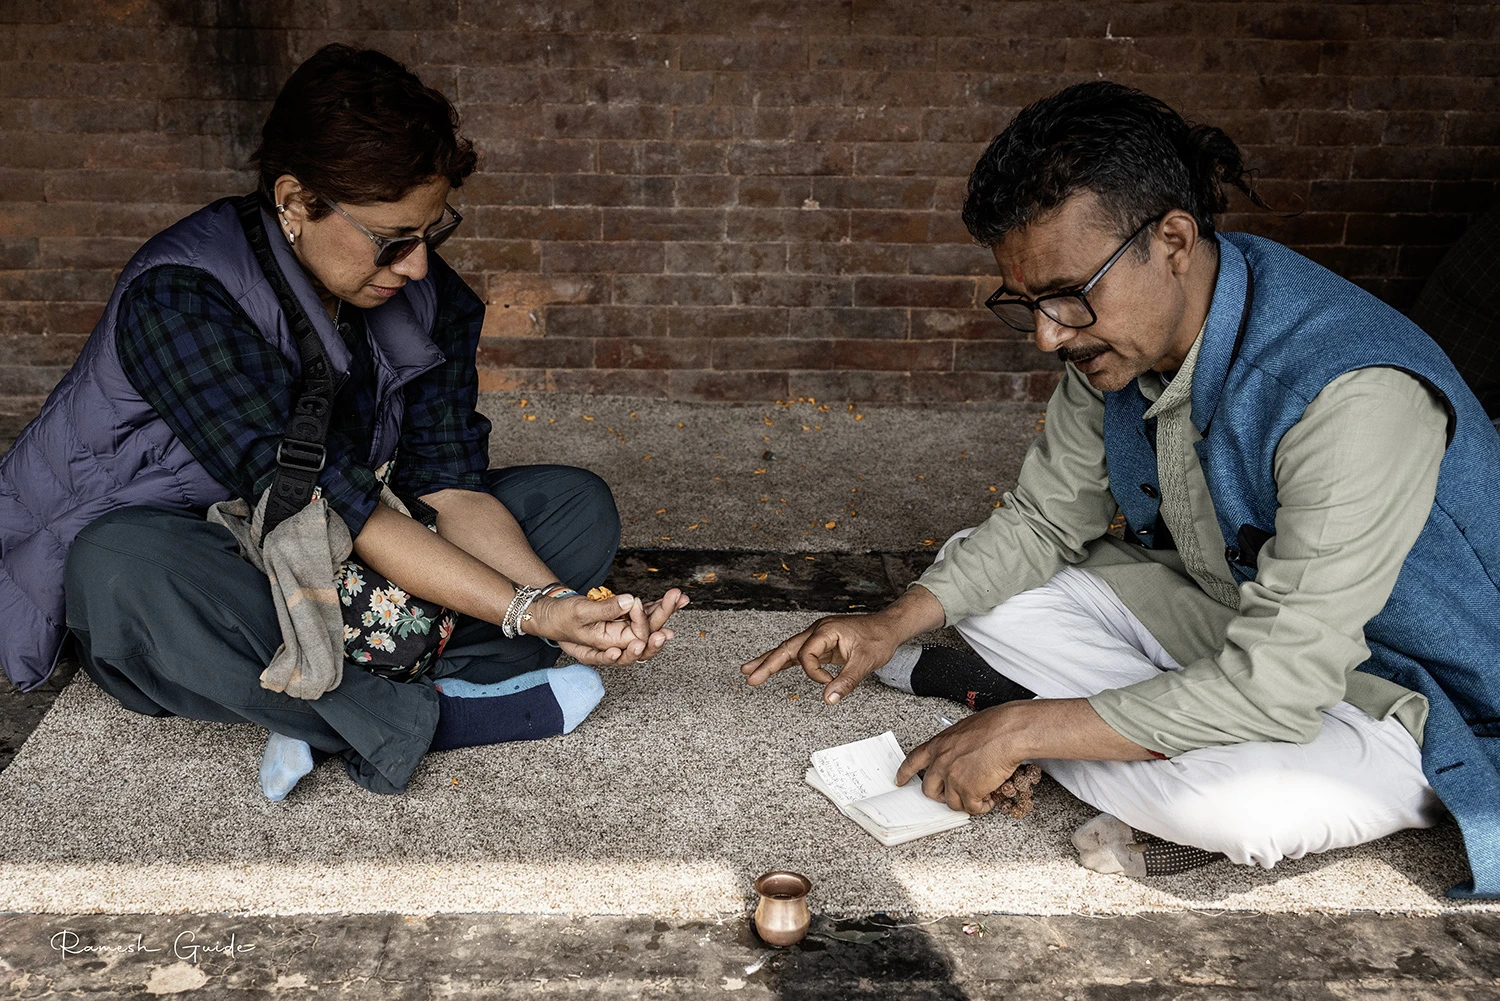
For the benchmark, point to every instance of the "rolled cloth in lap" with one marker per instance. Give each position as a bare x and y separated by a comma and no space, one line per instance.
301,557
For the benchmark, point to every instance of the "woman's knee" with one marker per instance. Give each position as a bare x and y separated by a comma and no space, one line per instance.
151,563
590,524
595,503
111,542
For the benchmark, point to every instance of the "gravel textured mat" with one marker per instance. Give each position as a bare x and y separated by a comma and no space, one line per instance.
681,789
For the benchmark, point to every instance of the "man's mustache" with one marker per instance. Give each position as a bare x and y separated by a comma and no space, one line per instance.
1076,355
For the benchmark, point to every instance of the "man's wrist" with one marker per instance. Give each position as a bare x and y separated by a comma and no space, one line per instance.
1063,728
1020,722
916,612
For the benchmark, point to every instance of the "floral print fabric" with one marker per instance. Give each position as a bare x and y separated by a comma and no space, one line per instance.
388,631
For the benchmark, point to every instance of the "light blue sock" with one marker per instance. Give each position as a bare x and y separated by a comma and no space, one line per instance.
284,762
577,689
458,688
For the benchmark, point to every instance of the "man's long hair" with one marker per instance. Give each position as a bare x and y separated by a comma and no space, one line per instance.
1135,153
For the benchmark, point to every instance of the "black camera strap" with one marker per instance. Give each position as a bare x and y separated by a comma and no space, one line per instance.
303,451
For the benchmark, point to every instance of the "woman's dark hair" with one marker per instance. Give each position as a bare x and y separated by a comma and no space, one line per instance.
357,126
1136,154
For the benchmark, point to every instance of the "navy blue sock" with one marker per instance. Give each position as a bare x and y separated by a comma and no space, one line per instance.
527,715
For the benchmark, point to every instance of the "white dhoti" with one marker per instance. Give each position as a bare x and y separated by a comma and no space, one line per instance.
1358,780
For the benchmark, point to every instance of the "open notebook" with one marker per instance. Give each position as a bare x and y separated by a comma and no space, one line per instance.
860,778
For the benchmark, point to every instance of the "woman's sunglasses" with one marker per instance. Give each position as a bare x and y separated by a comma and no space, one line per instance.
390,249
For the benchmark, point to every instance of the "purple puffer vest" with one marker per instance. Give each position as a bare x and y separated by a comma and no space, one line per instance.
97,445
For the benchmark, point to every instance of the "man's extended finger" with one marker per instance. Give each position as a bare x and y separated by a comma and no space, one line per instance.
587,654
770,664
775,661
766,661
790,643
631,653
918,759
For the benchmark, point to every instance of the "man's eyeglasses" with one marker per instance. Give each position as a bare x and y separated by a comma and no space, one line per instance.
390,249
1070,309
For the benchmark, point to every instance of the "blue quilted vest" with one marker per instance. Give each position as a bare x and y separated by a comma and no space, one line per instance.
1280,329
97,445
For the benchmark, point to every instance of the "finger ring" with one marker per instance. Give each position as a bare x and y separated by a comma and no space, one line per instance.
600,593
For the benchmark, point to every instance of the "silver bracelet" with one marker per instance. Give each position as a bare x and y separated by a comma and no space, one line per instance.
516,613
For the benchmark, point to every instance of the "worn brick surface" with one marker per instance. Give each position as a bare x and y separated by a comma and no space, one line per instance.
735,200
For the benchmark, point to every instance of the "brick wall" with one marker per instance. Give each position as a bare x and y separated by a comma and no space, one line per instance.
737,199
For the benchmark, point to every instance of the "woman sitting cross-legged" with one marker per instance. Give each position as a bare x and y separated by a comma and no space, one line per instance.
179,404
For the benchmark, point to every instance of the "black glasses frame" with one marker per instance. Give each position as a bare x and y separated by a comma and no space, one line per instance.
390,249
999,299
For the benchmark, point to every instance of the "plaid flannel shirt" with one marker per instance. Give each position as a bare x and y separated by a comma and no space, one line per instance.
227,393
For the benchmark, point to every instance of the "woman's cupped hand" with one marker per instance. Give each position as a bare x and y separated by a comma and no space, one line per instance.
618,630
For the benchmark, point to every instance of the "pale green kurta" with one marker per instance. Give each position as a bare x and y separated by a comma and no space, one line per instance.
1356,478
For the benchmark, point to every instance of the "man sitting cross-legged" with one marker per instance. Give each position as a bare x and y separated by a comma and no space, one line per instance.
1297,646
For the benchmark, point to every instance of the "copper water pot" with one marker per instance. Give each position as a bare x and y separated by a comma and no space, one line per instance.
781,917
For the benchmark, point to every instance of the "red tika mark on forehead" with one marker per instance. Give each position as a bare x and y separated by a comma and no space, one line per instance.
1015,272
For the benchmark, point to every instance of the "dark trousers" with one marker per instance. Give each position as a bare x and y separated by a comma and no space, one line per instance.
172,622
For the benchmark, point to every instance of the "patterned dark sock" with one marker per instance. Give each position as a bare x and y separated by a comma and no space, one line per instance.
527,715
963,676
1167,858
1108,844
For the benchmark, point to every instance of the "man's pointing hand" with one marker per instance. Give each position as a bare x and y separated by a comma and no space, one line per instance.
861,643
